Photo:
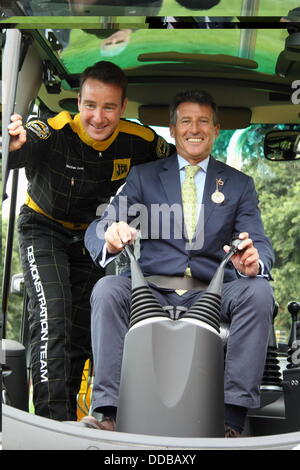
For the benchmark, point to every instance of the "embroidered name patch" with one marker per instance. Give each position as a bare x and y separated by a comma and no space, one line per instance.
39,128
121,169
74,167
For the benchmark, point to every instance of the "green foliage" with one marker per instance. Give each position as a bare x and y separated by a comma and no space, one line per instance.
220,147
278,187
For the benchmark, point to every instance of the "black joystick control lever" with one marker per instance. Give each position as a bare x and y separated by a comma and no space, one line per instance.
129,252
208,307
234,244
143,303
291,375
294,309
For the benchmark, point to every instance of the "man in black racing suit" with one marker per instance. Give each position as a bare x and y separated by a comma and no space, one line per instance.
73,166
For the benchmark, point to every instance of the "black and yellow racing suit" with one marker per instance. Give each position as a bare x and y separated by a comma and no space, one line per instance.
70,176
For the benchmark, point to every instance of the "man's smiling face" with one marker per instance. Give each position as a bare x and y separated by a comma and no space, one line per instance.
101,107
194,131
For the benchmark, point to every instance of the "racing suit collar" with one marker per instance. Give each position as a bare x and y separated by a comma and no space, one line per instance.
77,127
64,118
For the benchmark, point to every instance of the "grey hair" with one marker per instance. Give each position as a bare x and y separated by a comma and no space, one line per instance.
193,96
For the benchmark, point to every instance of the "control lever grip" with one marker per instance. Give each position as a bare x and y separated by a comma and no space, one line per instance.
234,245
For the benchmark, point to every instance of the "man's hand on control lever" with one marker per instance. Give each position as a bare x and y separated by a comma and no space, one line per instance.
17,133
118,235
246,259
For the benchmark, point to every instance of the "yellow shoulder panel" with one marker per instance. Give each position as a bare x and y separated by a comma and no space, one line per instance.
60,120
136,129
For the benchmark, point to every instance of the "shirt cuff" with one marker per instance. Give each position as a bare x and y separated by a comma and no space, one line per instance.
106,257
262,272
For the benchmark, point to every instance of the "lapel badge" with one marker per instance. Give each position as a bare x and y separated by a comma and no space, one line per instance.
218,197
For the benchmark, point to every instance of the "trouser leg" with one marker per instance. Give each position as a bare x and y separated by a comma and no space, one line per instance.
248,305
58,286
110,302
46,276
83,276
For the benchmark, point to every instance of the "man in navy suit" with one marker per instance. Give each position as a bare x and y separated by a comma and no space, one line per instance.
183,265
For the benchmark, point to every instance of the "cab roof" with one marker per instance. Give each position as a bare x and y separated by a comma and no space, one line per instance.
247,55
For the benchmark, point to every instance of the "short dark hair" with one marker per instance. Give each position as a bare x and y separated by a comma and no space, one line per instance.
105,72
193,96
293,15
198,4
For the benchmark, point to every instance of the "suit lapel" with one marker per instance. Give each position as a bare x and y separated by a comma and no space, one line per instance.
170,180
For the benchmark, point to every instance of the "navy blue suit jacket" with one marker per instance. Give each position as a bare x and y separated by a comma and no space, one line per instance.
156,183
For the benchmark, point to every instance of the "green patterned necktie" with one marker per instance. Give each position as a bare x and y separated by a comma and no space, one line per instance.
189,200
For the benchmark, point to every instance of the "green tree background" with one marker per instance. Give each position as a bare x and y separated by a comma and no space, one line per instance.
278,188
279,196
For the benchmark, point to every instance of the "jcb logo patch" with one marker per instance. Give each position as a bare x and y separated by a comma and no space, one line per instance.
39,128
121,169
162,148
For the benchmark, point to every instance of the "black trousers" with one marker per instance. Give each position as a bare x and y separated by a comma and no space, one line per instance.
59,276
